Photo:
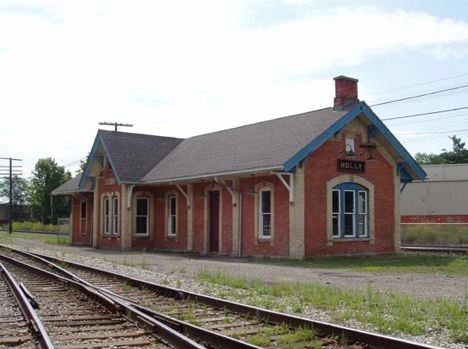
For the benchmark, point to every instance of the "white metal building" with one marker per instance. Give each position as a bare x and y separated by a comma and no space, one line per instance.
441,198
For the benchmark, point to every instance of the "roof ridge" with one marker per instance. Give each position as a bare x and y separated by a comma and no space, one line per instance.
137,134
259,122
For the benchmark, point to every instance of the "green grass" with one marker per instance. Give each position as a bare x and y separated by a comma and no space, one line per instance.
387,313
430,234
48,239
404,263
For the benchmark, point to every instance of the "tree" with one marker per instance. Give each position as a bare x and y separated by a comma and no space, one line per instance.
19,195
47,176
458,154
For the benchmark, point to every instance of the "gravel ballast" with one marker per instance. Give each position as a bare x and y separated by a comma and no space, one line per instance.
179,270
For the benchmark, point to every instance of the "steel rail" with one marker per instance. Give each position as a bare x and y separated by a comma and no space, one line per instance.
436,248
39,331
372,339
170,335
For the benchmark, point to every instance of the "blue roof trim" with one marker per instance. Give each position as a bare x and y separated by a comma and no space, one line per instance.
92,155
317,142
360,108
408,159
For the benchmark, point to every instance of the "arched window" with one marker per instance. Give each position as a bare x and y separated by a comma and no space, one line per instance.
264,206
350,211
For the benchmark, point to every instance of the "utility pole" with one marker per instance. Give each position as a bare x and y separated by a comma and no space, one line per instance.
115,124
12,170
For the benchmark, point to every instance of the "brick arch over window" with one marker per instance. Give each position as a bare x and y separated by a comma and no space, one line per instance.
368,187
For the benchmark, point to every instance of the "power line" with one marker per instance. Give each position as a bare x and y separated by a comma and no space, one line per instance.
421,95
427,113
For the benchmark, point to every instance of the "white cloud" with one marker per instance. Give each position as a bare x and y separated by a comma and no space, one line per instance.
182,67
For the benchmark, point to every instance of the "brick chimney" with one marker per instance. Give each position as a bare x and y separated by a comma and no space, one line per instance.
346,93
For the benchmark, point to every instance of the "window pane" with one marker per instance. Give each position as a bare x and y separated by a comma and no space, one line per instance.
349,224
362,202
115,203
83,209
362,225
141,225
142,207
349,201
106,206
266,204
172,205
336,201
172,225
336,228
266,225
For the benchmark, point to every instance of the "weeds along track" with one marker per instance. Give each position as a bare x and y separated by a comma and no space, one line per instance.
245,326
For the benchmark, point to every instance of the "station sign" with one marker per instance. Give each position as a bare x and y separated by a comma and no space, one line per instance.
351,166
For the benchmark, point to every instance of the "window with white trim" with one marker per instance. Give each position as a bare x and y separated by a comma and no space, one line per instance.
171,215
264,213
142,216
115,215
106,216
350,211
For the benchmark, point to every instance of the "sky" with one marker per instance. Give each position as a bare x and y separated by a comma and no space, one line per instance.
184,68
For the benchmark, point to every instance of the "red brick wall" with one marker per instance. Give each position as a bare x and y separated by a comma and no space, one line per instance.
161,239
279,244
320,168
198,215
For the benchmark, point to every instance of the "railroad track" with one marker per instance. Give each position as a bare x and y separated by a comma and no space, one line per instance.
20,328
451,250
218,323
78,317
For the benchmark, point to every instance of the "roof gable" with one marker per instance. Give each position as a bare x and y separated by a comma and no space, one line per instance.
130,155
409,168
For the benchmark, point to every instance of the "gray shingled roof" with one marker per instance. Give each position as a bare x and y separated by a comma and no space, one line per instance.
264,145
132,155
71,186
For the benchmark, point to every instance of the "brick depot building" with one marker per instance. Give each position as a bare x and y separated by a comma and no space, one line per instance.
325,182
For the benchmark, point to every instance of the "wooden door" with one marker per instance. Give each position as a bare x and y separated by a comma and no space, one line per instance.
214,221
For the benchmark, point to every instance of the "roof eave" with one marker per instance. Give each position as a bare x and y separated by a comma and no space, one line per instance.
214,174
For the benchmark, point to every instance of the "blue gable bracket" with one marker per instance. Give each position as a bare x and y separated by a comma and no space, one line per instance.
317,142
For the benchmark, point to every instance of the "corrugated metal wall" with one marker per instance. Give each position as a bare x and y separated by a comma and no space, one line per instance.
444,193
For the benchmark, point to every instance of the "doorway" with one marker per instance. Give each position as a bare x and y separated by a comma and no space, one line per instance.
214,221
